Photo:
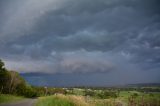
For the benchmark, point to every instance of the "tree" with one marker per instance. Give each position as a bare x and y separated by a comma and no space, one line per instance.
26,90
15,80
2,68
4,79
89,93
12,83
1,64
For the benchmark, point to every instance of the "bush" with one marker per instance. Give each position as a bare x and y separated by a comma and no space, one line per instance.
60,90
26,91
107,94
89,93
134,95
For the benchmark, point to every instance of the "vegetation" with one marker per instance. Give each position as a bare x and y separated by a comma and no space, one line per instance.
132,98
12,83
101,94
13,88
5,98
53,101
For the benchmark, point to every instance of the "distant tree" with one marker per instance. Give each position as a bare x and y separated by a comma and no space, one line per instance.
134,95
60,91
89,93
107,94
40,91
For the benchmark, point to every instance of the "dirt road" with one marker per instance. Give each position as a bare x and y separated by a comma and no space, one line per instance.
28,102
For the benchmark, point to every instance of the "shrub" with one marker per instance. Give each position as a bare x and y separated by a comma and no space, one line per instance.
26,91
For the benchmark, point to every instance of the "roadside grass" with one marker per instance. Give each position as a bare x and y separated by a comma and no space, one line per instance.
53,101
5,98
79,100
74,100
63,100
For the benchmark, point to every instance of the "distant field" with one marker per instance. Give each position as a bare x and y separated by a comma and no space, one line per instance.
4,98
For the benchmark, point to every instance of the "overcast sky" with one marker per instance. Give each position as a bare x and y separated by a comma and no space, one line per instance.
81,42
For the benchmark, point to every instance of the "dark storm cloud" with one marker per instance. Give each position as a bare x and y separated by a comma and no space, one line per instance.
83,36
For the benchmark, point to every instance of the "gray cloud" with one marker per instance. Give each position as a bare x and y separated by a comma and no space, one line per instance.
66,62
86,36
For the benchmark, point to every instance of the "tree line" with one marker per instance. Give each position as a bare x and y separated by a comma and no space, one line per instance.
12,83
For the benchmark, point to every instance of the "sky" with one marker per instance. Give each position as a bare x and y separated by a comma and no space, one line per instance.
81,42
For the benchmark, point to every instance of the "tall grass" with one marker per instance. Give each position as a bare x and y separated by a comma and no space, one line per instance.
53,101
123,100
73,100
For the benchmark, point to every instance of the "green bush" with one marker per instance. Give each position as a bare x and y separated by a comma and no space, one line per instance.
26,91
89,93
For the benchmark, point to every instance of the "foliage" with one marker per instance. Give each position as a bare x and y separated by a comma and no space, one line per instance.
1,65
4,81
144,100
40,91
89,93
59,90
102,94
12,83
26,91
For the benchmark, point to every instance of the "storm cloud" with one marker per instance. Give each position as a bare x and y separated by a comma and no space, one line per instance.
82,36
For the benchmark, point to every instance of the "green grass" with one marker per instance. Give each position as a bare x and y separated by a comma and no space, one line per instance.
125,94
4,98
53,101
75,100
150,98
